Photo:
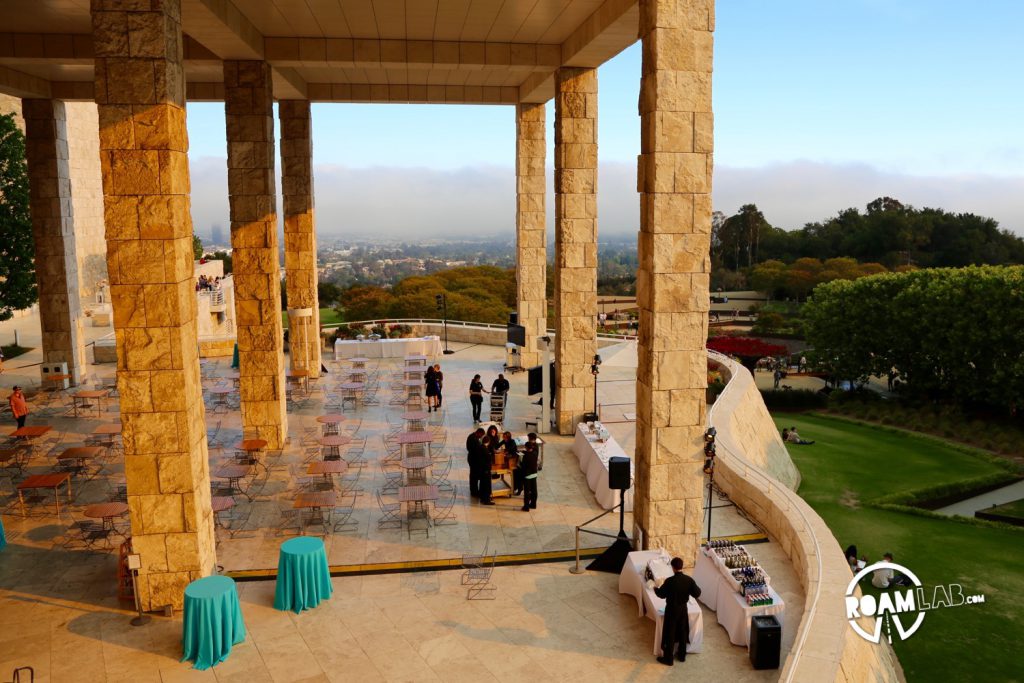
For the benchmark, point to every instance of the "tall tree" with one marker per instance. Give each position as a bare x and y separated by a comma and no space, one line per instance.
17,251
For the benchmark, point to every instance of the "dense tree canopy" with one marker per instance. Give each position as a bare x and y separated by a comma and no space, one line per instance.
476,293
796,280
894,234
17,251
949,334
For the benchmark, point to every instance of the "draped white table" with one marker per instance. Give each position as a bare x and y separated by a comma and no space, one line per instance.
388,348
593,456
731,609
631,581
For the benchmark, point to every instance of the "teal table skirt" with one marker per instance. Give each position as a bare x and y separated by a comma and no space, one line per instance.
303,577
213,621
3,538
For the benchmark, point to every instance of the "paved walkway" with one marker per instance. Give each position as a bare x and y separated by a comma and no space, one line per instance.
968,507
59,612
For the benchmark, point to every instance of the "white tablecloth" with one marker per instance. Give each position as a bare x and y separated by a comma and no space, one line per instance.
731,609
593,457
631,581
734,614
388,348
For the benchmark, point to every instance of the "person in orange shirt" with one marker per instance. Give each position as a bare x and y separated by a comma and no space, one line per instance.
19,406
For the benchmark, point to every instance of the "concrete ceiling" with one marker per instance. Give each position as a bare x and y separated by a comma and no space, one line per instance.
452,51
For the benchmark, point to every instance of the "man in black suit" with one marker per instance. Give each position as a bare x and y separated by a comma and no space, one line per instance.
475,456
676,591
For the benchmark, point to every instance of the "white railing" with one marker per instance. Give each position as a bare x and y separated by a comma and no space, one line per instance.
455,323
770,486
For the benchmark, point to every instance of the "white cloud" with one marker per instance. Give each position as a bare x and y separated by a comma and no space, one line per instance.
411,202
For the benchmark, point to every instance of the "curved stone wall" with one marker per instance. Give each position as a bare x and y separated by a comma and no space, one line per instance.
825,648
743,415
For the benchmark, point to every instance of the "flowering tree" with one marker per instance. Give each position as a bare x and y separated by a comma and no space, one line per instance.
748,349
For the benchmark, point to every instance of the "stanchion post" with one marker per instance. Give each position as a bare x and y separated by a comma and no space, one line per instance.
577,569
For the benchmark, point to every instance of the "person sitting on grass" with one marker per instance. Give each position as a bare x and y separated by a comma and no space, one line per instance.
794,437
888,578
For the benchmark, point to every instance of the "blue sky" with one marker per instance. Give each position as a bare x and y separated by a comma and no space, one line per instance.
818,106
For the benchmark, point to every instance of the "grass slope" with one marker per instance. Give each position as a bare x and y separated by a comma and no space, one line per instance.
851,465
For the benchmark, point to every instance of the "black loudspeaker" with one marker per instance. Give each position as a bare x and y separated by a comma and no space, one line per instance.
618,473
516,334
765,642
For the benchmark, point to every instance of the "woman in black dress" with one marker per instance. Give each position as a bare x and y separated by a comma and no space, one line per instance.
430,380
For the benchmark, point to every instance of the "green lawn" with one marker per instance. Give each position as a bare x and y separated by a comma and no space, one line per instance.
1014,509
848,467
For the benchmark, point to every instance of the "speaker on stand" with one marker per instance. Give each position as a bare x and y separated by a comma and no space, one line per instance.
619,478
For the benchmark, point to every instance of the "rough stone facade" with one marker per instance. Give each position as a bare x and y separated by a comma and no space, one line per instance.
86,196
140,90
575,242
53,232
674,179
531,245
300,232
256,267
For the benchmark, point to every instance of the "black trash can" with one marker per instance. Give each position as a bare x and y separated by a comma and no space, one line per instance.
765,642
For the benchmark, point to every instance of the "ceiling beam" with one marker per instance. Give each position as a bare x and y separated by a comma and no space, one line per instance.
613,27
412,93
47,47
21,84
342,52
538,88
288,84
222,28
73,91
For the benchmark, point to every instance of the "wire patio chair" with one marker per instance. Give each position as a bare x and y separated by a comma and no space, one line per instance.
391,513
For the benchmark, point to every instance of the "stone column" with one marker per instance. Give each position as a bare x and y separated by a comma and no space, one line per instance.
257,272
575,242
140,90
300,231
53,232
531,246
674,179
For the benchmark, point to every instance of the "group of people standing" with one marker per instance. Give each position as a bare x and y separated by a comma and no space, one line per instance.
434,380
206,283
482,447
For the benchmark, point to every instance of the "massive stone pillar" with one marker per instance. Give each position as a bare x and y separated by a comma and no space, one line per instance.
674,179
140,90
531,246
575,242
257,272
53,231
300,233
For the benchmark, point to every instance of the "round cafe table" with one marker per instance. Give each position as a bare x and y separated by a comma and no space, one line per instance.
212,622
303,577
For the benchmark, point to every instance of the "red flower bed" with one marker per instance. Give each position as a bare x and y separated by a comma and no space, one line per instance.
747,349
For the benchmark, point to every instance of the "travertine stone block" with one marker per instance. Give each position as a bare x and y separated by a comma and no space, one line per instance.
575,242
531,245
300,232
674,179
143,158
250,131
53,232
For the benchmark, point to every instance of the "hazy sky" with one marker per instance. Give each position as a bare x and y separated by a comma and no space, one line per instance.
818,106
